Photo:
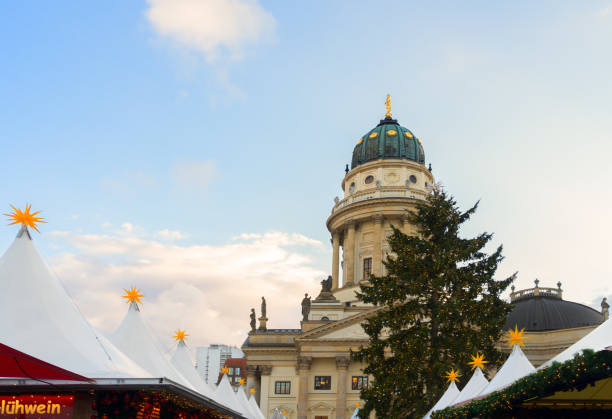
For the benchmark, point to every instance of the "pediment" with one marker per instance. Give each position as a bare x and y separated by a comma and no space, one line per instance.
347,328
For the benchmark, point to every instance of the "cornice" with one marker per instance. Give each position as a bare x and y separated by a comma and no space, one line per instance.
372,203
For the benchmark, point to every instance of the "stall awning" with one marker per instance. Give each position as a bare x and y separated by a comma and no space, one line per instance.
16,364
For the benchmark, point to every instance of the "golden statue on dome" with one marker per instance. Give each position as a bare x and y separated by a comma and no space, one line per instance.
388,106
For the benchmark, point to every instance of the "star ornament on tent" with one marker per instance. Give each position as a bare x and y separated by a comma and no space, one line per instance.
133,295
452,375
25,217
478,361
180,335
515,337
252,391
224,370
241,382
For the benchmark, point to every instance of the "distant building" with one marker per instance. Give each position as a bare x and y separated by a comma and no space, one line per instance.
210,360
236,370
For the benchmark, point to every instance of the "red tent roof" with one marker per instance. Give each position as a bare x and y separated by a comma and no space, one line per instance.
16,364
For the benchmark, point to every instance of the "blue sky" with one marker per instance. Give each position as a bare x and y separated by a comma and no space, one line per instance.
131,124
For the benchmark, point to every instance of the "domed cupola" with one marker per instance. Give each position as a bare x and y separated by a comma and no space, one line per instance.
388,140
538,309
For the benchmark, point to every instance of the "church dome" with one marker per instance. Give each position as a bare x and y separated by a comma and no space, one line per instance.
388,140
539,309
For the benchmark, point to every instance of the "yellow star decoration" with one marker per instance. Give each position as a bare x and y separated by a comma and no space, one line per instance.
25,217
452,375
252,391
224,370
241,382
515,336
180,335
478,361
133,295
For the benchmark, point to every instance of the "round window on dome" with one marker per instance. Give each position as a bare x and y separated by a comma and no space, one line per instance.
413,178
369,179
374,135
391,132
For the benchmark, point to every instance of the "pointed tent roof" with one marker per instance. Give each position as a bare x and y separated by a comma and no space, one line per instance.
473,387
255,408
133,337
181,360
516,366
447,398
38,317
597,340
244,402
355,414
225,394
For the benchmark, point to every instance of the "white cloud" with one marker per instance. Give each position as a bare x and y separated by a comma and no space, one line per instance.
212,27
209,290
171,235
196,175
604,12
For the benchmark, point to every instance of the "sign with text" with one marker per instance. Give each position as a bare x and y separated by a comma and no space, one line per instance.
30,406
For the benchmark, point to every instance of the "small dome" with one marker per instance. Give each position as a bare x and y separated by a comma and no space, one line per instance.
541,311
388,140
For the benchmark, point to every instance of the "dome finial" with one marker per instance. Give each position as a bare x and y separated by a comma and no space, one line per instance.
388,106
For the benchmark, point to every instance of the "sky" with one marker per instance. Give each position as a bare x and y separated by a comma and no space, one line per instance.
193,148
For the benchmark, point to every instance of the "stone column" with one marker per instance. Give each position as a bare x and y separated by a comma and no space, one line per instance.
406,224
251,383
265,370
378,239
342,363
349,252
303,369
335,260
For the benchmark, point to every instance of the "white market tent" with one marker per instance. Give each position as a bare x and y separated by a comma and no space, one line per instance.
182,361
134,339
255,408
248,408
38,317
516,366
473,387
447,398
355,414
599,339
224,394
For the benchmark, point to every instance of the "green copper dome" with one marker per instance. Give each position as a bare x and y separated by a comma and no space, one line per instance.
388,140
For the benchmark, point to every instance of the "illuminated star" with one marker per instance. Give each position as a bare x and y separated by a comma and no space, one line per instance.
224,370
515,336
180,335
241,381
452,375
252,391
478,361
133,295
25,217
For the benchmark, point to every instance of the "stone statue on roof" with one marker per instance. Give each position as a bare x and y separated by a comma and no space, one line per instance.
305,307
263,307
253,321
605,307
326,284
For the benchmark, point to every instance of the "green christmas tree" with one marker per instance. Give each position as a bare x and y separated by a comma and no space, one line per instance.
438,304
